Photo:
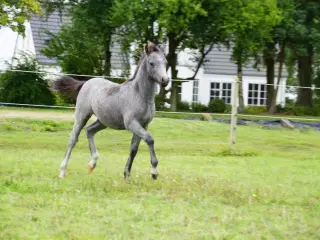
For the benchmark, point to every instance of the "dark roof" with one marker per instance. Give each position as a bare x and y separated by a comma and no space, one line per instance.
218,61
39,25
53,23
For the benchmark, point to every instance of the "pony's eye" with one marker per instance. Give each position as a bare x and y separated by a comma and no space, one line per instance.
151,64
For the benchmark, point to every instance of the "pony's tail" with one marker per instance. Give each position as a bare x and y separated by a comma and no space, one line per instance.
68,86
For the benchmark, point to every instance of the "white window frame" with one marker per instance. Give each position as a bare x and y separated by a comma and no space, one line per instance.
195,91
220,90
258,92
179,89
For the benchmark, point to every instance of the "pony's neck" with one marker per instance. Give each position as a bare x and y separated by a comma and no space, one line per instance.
145,86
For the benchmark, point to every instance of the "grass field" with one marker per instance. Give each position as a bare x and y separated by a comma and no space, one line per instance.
268,189
63,113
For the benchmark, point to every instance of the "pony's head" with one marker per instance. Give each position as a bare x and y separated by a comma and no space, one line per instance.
156,64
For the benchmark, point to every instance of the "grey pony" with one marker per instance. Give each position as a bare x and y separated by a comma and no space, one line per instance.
127,106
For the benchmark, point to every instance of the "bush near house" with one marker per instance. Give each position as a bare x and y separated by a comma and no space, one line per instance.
228,109
217,106
199,107
292,109
25,87
255,109
159,103
183,106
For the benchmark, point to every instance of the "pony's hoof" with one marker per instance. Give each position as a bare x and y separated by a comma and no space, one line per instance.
154,173
62,174
91,166
126,175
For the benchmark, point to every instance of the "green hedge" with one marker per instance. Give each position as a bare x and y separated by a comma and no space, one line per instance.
25,87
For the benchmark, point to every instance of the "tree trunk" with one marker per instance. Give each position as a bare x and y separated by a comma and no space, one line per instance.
172,61
241,100
273,106
107,55
269,61
305,78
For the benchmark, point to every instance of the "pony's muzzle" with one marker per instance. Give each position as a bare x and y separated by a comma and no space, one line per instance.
164,81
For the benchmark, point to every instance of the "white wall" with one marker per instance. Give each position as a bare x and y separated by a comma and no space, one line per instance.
11,43
205,85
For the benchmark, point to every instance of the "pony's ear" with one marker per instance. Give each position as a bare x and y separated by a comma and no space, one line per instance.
150,47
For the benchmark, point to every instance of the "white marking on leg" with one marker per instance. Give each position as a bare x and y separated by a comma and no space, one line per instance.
94,159
154,171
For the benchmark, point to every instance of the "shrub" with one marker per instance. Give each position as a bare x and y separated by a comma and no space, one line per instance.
316,110
228,109
279,108
302,110
25,87
183,106
159,102
217,106
198,107
255,109
63,101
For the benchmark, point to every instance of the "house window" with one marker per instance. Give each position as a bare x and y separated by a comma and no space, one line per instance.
179,91
195,91
257,94
221,91
47,41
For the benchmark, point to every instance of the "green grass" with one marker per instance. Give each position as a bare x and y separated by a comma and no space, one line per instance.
268,189
182,115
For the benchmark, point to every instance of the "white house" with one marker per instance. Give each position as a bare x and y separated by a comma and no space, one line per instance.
215,77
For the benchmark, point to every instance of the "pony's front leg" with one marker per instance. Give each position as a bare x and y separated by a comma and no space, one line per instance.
133,152
136,128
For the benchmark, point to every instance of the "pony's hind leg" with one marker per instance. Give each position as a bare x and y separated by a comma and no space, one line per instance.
91,130
73,139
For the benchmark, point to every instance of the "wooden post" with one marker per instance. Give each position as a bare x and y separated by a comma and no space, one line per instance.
233,125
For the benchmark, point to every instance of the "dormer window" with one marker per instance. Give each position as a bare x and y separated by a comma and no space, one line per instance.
47,41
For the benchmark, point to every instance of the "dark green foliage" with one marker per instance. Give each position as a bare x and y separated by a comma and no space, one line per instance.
228,109
25,87
288,108
217,106
183,106
63,101
117,80
316,110
255,109
83,47
159,103
291,108
198,107
302,110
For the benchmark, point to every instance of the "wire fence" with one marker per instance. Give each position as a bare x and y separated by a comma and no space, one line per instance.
82,75
313,87
233,116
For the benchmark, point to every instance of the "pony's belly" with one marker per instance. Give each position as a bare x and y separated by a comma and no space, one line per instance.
110,118
111,121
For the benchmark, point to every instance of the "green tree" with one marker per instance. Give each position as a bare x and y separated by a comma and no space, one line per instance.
13,14
180,24
317,73
76,50
249,24
304,42
84,46
275,50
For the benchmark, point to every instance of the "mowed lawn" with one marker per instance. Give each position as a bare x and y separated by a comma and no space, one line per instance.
268,189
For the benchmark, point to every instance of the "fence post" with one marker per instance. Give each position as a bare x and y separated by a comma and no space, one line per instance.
233,125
